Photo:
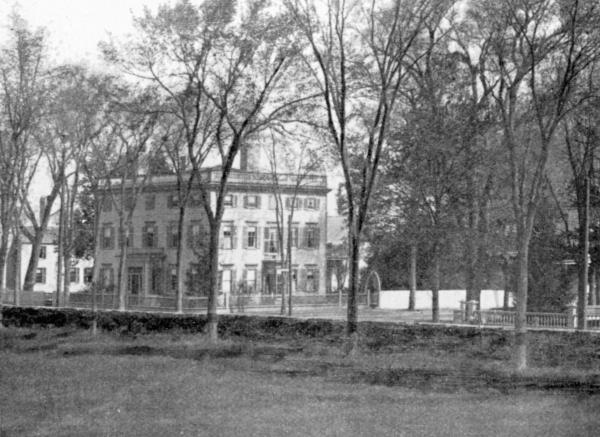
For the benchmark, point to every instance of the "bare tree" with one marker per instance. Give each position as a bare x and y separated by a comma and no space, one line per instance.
537,50
221,59
301,161
358,58
22,97
133,139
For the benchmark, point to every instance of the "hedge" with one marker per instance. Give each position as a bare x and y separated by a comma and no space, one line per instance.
375,334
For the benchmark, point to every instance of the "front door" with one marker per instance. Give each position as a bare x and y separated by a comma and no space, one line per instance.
134,280
269,277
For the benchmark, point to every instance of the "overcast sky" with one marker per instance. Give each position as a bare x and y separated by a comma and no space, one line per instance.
74,27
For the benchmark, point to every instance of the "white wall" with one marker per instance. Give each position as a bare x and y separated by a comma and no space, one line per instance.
450,299
50,264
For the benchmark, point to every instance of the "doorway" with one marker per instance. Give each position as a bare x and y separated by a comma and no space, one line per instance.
134,280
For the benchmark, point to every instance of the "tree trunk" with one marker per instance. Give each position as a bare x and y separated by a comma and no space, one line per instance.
289,260
36,244
520,352
471,261
67,278
122,273
412,279
3,257
507,277
60,268
596,289
213,255
178,263
352,318
435,287
582,267
592,288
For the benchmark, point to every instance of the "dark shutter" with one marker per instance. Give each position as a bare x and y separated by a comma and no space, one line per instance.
245,237
233,200
302,279
234,237
266,240
317,236
258,197
303,237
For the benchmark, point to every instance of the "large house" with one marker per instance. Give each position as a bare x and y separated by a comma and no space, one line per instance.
248,257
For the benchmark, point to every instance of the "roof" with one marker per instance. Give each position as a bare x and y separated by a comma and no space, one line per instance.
239,179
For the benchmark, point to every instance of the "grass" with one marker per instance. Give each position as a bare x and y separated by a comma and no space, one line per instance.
61,381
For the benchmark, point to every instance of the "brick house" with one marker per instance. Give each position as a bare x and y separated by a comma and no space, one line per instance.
248,258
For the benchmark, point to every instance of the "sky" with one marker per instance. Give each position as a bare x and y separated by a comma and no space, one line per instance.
73,30
74,27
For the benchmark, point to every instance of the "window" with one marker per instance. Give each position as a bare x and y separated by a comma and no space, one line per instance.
195,234
173,277
311,203
312,279
150,201
40,275
127,236
149,237
195,200
106,276
311,236
288,203
193,282
230,200
108,237
172,235
251,237
129,202
294,235
156,275
271,242
226,280
107,204
43,252
252,201
88,275
74,275
173,201
228,237
249,281
272,202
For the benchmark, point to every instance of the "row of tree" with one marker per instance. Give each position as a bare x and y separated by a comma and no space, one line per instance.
442,115
480,147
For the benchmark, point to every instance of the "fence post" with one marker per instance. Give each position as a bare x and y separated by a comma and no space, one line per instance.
572,316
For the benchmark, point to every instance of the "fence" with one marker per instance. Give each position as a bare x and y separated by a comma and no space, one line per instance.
110,301
507,318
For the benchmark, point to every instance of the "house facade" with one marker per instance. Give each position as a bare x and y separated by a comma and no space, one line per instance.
80,271
249,259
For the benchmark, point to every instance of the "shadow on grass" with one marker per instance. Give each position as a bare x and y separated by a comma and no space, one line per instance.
310,359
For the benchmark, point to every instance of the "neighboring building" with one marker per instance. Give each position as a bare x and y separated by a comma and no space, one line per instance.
80,272
248,258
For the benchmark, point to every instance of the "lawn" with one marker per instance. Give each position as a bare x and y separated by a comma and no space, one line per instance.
61,381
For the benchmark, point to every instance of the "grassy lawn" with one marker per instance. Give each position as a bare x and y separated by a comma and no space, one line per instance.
62,382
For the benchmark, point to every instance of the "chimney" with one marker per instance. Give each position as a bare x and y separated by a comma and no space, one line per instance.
243,158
